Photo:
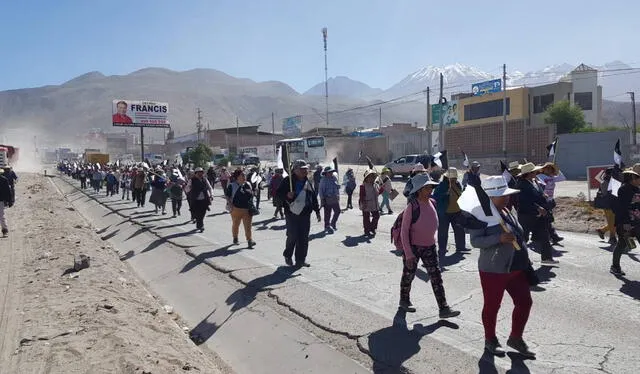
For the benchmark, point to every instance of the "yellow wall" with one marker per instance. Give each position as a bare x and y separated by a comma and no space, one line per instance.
519,106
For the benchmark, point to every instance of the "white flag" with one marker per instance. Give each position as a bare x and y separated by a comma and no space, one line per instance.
280,161
614,186
469,202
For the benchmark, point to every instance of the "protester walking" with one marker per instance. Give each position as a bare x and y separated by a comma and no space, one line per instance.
387,187
274,184
627,216
240,195
446,195
176,187
417,169
158,195
300,200
82,175
317,176
606,201
532,212
472,176
6,201
140,187
224,178
368,202
349,182
504,267
330,198
111,182
211,176
419,243
97,180
549,175
201,195
125,185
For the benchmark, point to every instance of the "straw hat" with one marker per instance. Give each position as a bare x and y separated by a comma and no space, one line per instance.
631,171
550,165
496,186
527,168
369,172
451,173
514,165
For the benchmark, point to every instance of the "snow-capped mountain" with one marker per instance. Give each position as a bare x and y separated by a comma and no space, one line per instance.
456,77
343,86
550,74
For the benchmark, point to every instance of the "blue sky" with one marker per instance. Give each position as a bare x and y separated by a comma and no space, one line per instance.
375,41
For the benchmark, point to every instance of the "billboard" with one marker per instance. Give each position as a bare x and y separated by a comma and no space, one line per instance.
292,126
449,110
138,113
482,88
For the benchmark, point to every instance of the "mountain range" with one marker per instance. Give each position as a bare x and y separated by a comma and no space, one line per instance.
84,102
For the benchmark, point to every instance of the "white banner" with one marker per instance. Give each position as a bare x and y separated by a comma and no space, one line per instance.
137,113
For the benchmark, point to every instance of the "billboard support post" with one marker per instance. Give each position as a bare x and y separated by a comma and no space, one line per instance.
141,144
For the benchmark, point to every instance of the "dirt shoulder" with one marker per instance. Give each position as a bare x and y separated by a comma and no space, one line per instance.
576,215
98,320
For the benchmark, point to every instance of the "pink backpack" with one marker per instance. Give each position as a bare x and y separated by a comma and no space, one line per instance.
396,229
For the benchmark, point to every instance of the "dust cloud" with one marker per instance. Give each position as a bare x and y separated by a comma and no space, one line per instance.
26,137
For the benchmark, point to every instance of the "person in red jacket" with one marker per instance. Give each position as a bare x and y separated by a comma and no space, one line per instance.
121,116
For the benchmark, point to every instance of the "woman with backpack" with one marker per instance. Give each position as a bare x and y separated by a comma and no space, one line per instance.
418,236
417,169
349,182
240,196
368,202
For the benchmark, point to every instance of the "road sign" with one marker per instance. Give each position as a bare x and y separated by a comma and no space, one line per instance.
482,88
594,177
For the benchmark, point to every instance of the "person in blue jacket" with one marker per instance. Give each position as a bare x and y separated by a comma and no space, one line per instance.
446,195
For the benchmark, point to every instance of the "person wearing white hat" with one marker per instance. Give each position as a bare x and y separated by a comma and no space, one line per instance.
446,196
368,202
503,267
626,209
329,194
201,195
419,243
533,210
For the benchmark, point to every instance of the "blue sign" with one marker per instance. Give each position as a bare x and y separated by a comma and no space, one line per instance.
482,88
292,126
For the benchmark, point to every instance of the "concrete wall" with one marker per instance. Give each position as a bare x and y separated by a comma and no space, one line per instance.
577,151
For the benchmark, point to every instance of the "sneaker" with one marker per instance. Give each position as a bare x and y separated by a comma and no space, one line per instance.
600,233
616,271
390,211
178,212
519,345
328,230
613,241
302,264
550,262
5,232
201,229
288,261
251,244
493,346
407,306
334,227
447,312
235,241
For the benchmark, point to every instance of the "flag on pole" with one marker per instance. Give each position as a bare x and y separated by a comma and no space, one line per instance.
370,163
283,160
465,162
614,186
360,154
118,163
441,160
551,149
617,155
479,206
335,165
505,172
165,162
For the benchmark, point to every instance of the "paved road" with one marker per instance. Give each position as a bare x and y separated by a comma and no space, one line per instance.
583,321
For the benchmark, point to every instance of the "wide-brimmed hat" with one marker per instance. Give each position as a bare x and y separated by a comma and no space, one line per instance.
369,172
198,170
475,164
328,169
420,181
631,171
514,165
550,165
529,167
496,185
451,173
300,164
418,167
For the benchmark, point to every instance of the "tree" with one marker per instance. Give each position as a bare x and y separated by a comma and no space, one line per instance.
200,156
567,118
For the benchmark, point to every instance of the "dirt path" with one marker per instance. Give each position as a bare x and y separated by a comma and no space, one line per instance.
98,320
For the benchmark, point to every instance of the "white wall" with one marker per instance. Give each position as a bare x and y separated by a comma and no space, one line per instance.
587,81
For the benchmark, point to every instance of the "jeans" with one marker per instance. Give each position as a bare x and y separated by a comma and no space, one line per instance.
429,258
620,248
493,287
539,229
335,208
125,193
240,215
297,236
370,222
139,195
349,199
385,201
199,210
176,205
83,183
444,221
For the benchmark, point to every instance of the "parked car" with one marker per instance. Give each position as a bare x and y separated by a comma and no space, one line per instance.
405,164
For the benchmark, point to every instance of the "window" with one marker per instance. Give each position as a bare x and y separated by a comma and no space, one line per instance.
540,103
401,160
584,100
315,142
486,109
410,159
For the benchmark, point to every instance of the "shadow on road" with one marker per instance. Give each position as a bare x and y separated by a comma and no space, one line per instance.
453,259
487,364
199,259
111,235
630,287
245,296
160,241
318,235
217,214
354,241
391,346
545,274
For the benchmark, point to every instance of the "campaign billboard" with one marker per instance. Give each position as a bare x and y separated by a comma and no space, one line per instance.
292,126
139,113
482,88
449,110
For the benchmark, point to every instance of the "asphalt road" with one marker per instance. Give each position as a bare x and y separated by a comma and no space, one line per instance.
584,320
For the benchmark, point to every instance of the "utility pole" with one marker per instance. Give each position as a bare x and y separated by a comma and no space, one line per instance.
379,118
326,76
199,123
504,111
633,107
428,125
441,101
273,130
237,135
